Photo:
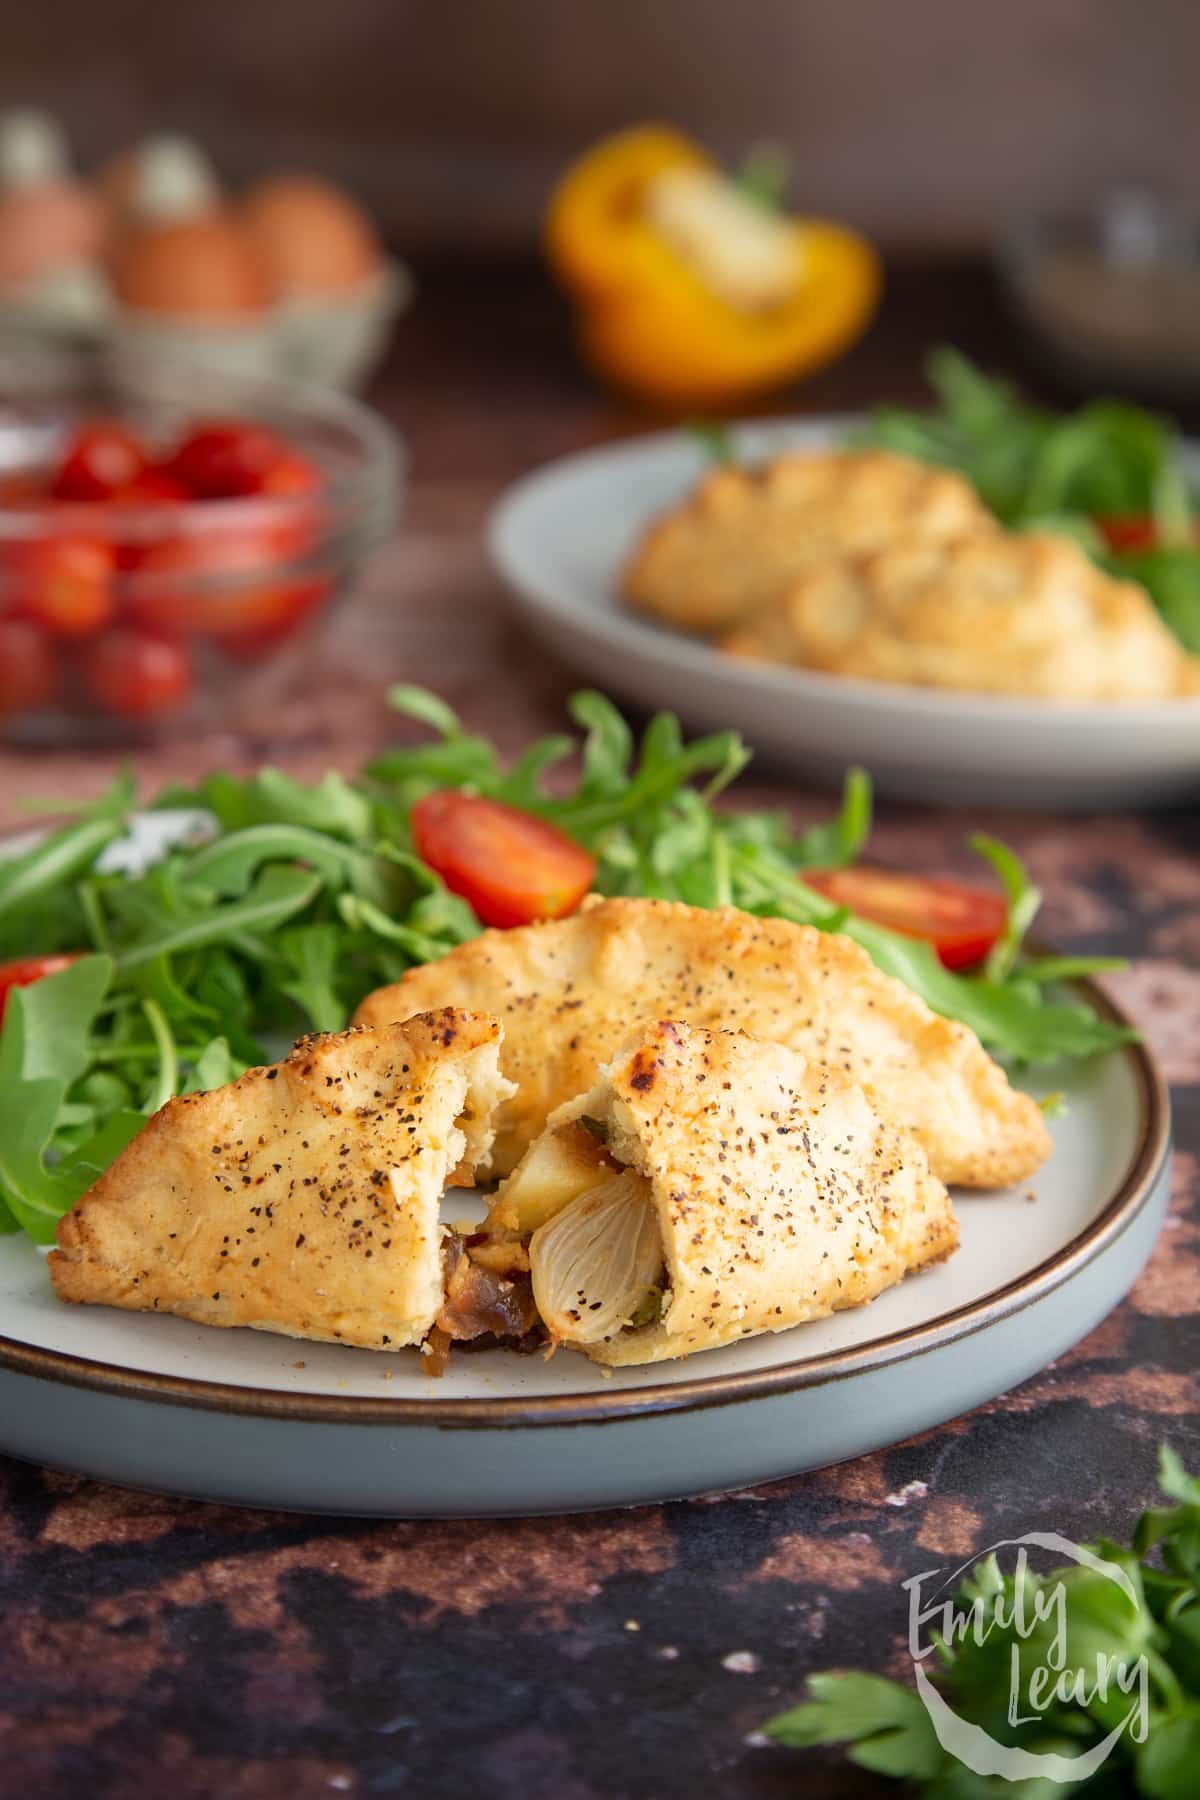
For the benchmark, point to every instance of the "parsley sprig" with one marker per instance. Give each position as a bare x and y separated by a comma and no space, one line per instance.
887,1729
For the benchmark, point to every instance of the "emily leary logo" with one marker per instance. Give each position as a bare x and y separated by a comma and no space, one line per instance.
1048,1660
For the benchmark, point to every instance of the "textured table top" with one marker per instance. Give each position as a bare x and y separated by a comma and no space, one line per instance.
153,1644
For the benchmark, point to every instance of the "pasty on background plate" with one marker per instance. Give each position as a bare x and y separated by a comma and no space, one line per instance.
570,990
301,1198
993,613
744,535
741,1190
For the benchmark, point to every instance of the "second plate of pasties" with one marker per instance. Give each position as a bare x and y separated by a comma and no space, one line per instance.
562,536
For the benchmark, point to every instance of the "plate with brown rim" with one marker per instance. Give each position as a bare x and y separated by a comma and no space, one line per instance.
248,1417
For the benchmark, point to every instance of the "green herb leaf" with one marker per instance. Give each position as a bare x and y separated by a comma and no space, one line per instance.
886,1724
1023,902
714,438
765,175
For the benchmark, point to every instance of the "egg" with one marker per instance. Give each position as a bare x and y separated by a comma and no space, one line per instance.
45,229
206,267
48,221
165,176
315,240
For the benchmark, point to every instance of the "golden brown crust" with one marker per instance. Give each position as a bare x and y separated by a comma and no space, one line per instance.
302,1198
744,535
781,1194
570,991
990,612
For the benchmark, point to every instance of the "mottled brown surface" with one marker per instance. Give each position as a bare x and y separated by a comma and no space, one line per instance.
163,1646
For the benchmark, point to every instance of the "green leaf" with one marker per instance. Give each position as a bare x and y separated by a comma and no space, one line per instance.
765,175
56,860
166,1079
311,952
1023,901
430,709
607,747
278,894
215,1067
842,841
714,438
1174,1479
47,1026
43,1051
886,1724
229,863
1168,1763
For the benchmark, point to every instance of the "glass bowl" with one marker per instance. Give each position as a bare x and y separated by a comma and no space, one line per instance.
119,622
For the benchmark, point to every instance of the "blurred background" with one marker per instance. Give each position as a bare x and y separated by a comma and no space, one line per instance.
928,125
1015,178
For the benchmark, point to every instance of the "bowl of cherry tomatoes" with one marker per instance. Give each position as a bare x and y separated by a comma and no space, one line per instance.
170,544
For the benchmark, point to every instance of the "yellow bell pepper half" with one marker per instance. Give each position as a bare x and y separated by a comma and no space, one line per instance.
689,296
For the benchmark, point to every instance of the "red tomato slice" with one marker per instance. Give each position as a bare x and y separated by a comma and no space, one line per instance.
1128,533
510,866
136,675
27,970
29,673
63,584
227,458
962,923
100,459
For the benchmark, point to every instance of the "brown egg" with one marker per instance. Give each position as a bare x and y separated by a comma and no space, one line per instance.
47,226
316,241
199,267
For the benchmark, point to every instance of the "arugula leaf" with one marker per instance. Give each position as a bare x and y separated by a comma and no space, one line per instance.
277,894
1038,470
1023,902
842,841
43,1050
311,954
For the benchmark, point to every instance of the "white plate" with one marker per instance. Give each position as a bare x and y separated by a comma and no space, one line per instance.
244,1416
561,536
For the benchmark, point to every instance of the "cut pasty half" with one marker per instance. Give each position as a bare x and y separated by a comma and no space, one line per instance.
302,1198
569,991
744,534
731,1188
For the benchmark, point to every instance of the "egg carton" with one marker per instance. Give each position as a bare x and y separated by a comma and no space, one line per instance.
332,343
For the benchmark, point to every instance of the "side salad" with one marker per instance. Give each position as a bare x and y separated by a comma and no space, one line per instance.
1110,475
283,903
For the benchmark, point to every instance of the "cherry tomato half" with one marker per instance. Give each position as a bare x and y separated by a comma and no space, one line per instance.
962,923
510,866
226,459
28,969
29,674
100,459
63,584
292,474
136,675
222,585
1129,533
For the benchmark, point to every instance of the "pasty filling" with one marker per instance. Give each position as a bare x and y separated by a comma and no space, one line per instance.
571,1252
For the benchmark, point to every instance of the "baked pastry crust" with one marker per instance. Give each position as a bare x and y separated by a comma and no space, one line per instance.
744,535
569,991
302,1198
781,1194
992,612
